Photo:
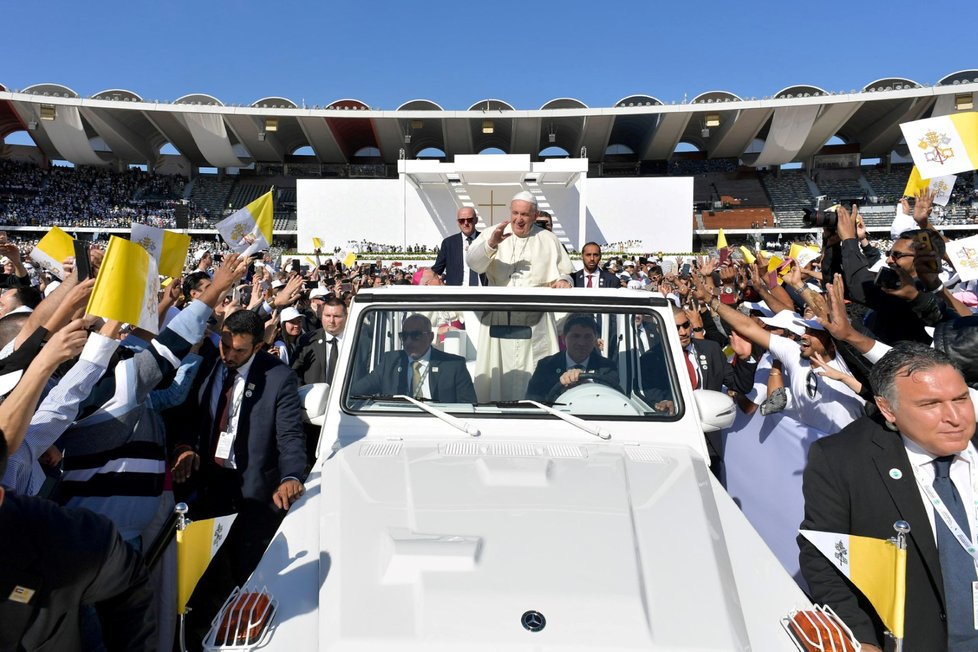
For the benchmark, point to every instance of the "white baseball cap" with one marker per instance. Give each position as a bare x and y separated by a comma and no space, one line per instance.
288,314
789,321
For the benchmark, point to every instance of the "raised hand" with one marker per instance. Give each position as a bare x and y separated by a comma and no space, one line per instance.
497,234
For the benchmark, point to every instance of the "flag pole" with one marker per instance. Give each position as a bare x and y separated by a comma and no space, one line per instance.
180,509
902,528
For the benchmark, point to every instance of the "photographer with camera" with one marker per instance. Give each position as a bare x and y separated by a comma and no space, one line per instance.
901,294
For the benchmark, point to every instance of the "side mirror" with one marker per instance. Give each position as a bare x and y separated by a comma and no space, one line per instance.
313,401
716,410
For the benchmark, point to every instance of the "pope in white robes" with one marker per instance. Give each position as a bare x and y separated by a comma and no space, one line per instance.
516,253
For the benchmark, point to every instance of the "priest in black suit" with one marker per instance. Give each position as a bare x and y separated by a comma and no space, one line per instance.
592,276
891,467
451,255
418,370
561,371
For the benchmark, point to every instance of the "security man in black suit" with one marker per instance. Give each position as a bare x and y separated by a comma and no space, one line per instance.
559,372
53,560
317,352
418,370
592,276
451,255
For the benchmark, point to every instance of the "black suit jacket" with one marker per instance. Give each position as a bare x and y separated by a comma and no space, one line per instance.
448,377
449,260
311,359
69,557
269,444
545,384
849,488
715,370
605,279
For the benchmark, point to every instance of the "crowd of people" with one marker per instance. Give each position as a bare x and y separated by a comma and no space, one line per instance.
851,374
86,197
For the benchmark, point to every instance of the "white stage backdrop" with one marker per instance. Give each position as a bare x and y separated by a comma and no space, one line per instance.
652,213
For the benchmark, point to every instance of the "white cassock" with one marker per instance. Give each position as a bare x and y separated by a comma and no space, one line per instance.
504,367
764,456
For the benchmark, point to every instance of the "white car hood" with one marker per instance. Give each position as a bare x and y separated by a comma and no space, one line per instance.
446,546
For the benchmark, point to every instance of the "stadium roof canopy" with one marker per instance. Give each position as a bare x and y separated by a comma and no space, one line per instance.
119,126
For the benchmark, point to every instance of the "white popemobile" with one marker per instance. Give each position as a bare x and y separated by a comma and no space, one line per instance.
590,522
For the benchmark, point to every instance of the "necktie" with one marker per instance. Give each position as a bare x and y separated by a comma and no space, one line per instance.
416,378
223,406
331,361
691,370
589,277
957,566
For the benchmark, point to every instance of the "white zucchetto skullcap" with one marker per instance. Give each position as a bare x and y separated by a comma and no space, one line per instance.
525,196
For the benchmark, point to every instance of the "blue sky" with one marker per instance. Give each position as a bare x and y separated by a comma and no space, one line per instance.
457,53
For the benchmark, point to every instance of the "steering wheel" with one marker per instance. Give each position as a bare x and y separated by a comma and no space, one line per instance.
586,377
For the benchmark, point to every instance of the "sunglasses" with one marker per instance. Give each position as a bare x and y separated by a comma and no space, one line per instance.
467,220
417,335
684,326
897,255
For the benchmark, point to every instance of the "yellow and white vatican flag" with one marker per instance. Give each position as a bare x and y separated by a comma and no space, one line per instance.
50,252
803,254
964,256
944,145
877,567
250,229
197,544
350,259
169,248
127,286
748,255
941,186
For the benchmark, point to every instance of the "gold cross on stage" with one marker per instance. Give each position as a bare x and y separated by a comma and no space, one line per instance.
491,206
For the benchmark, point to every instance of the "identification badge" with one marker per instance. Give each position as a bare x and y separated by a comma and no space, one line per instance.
224,445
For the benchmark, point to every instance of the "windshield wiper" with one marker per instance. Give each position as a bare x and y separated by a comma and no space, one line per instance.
597,431
462,425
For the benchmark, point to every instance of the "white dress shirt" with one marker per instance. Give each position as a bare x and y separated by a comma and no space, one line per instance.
960,476
595,279
234,403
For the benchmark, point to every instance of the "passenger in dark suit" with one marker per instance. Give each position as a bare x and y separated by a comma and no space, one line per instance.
862,480
559,372
592,275
705,362
317,352
451,254
419,370
52,560
249,450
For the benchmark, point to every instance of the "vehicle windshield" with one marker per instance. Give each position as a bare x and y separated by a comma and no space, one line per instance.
496,362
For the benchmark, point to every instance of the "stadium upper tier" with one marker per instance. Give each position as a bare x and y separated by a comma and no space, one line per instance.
121,127
725,195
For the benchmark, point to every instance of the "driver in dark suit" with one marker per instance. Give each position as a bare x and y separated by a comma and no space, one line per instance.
561,371
419,370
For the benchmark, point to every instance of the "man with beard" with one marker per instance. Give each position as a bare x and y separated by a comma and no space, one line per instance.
592,276
767,482
517,253
820,402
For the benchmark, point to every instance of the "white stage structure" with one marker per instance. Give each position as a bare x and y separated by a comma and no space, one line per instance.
643,214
